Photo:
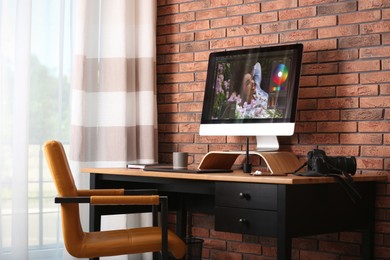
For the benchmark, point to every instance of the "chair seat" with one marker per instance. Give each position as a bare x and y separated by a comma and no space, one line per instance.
127,241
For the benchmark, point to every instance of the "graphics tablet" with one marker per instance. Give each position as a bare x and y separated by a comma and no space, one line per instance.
189,170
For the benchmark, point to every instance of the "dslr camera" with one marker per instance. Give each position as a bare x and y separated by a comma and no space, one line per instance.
319,162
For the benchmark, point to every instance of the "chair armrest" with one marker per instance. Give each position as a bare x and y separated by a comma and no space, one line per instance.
107,192
126,200
112,200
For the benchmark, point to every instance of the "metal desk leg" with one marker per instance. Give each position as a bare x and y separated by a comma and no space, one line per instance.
284,248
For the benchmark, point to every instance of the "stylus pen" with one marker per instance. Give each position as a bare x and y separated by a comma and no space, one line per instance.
247,151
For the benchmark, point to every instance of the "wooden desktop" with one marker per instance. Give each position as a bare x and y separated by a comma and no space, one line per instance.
279,206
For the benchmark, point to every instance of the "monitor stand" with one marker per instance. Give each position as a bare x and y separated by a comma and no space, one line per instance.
278,163
267,143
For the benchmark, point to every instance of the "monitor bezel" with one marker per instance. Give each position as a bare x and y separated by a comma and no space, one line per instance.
296,49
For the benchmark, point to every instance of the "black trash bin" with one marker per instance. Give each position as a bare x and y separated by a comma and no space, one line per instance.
193,248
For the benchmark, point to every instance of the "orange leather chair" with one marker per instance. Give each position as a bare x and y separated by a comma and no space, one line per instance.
106,243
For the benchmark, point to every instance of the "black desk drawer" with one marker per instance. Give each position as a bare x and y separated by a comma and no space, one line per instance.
246,195
246,221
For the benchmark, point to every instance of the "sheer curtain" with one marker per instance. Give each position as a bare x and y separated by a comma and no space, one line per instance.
34,106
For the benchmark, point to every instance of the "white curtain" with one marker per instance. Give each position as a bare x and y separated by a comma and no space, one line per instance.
34,106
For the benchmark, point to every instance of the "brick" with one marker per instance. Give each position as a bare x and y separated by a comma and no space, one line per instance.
338,103
211,14
188,128
190,107
359,41
179,18
340,150
224,255
167,68
168,29
244,248
179,57
225,235
374,127
164,108
226,43
193,66
175,78
260,18
375,52
260,40
359,17
194,46
319,68
386,64
317,22
317,92
308,81
210,34
336,127
300,35
306,127
214,244
194,5
360,138
318,139
373,4
298,13
360,66
339,31
362,114
319,115
306,255
267,6
200,232
243,9
338,55
176,138
243,30
193,148
357,90
192,86
337,8
321,45
179,97
195,26
226,22
370,163
375,77
180,37
167,128
220,3
374,102
168,48
305,104
169,9
279,27
385,89
339,79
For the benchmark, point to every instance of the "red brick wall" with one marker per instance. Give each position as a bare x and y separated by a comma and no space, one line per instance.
343,104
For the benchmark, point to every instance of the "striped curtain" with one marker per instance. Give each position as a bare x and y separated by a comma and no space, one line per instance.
114,117
114,108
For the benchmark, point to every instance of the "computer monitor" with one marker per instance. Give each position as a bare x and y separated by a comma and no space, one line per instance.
252,92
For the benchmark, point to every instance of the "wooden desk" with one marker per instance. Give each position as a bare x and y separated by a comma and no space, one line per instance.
279,206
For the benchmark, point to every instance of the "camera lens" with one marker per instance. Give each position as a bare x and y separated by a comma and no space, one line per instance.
346,164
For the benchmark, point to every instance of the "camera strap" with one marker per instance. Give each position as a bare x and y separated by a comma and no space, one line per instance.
344,179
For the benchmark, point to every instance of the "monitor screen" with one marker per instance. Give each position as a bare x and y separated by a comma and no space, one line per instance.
252,92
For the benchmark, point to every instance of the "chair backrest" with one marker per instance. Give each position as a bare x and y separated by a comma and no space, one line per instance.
64,182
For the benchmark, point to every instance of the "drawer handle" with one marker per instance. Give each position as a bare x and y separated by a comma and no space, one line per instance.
244,195
243,221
